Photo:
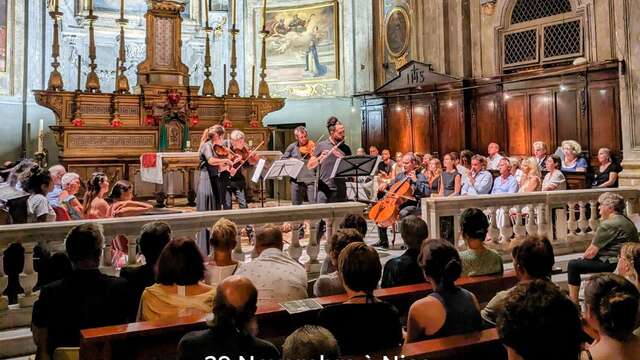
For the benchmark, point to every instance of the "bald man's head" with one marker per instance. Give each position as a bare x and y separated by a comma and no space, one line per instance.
235,303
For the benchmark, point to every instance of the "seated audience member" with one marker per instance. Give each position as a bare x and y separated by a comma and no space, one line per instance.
351,221
278,277
530,180
362,324
465,162
38,183
311,342
122,203
629,263
505,183
404,269
373,151
84,299
360,151
223,240
154,236
68,199
572,160
554,180
533,259
602,255
539,322
56,172
478,180
606,175
330,284
397,167
95,206
434,175
449,310
477,259
515,168
385,166
612,309
450,179
494,157
179,290
540,154
426,160
232,332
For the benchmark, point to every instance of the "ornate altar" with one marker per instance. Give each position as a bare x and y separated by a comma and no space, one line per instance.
108,131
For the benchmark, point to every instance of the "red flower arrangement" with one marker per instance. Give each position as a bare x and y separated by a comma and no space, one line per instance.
116,122
77,122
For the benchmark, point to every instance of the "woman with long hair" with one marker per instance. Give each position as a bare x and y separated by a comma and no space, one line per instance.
530,179
433,174
122,203
451,180
37,181
95,206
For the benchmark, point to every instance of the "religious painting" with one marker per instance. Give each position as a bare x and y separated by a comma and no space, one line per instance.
131,7
303,43
397,31
3,35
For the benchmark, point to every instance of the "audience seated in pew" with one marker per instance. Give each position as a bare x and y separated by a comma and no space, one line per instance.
277,276
179,290
121,201
223,240
493,156
606,175
311,342
363,323
404,269
330,284
629,263
612,309
351,221
614,229
232,332
154,236
554,180
572,160
540,322
86,298
67,198
533,259
478,180
53,196
540,154
95,205
530,180
477,259
448,310
37,182
505,183
450,180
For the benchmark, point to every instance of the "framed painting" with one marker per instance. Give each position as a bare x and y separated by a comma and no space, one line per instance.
4,29
303,43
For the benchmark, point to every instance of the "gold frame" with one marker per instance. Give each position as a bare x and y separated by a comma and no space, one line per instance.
336,25
405,46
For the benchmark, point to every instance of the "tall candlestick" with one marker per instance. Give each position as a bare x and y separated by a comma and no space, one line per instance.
79,74
121,9
206,12
224,78
90,7
56,6
233,13
264,16
253,80
41,136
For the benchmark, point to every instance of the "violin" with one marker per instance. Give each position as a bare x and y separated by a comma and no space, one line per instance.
240,156
386,211
307,148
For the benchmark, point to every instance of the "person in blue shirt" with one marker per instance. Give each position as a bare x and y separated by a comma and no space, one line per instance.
572,160
57,172
505,183
478,180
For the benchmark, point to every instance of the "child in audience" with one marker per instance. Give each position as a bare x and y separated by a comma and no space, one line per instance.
449,310
477,259
38,183
611,307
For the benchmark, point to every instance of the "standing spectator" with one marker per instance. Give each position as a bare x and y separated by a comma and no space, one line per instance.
478,180
232,331
57,172
554,180
539,322
311,342
607,174
95,206
611,308
450,179
179,291
533,259
404,269
154,236
629,263
505,183
540,153
449,310
494,156
331,284
602,255
572,161
84,299
278,277
68,199
363,323
221,265
38,183
477,259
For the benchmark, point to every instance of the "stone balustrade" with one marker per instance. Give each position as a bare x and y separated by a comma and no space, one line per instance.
569,218
51,235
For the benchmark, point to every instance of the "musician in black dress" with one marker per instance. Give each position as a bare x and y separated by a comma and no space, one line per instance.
302,150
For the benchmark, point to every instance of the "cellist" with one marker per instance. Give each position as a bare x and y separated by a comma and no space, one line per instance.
420,189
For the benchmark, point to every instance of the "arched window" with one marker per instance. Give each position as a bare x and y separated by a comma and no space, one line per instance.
540,32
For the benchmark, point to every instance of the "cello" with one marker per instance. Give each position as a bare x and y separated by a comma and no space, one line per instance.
386,211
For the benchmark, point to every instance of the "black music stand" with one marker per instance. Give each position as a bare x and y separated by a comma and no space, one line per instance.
282,168
350,166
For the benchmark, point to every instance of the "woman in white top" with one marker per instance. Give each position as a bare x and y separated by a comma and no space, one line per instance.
554,180
223,240
38,183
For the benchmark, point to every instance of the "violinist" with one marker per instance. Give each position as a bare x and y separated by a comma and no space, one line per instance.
302,149
211,186
236,183
420,189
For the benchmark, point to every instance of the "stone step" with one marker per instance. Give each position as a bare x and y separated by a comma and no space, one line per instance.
15,317
16,342
26,357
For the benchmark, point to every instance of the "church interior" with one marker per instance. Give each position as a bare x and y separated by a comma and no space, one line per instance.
319,179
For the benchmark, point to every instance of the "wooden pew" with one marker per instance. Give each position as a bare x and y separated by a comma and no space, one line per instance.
159,339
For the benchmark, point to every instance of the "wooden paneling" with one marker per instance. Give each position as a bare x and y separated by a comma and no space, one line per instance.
487,126
541,119
421,120
603,134
450,126
374,130
399,128
517,134
567,123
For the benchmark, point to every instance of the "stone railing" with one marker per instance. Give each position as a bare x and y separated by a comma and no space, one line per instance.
569,218
51,235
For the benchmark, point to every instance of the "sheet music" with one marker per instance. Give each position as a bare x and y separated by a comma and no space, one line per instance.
281,168
259,168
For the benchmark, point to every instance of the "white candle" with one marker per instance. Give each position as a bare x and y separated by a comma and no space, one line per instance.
233,13
206,12
121,9
41,136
